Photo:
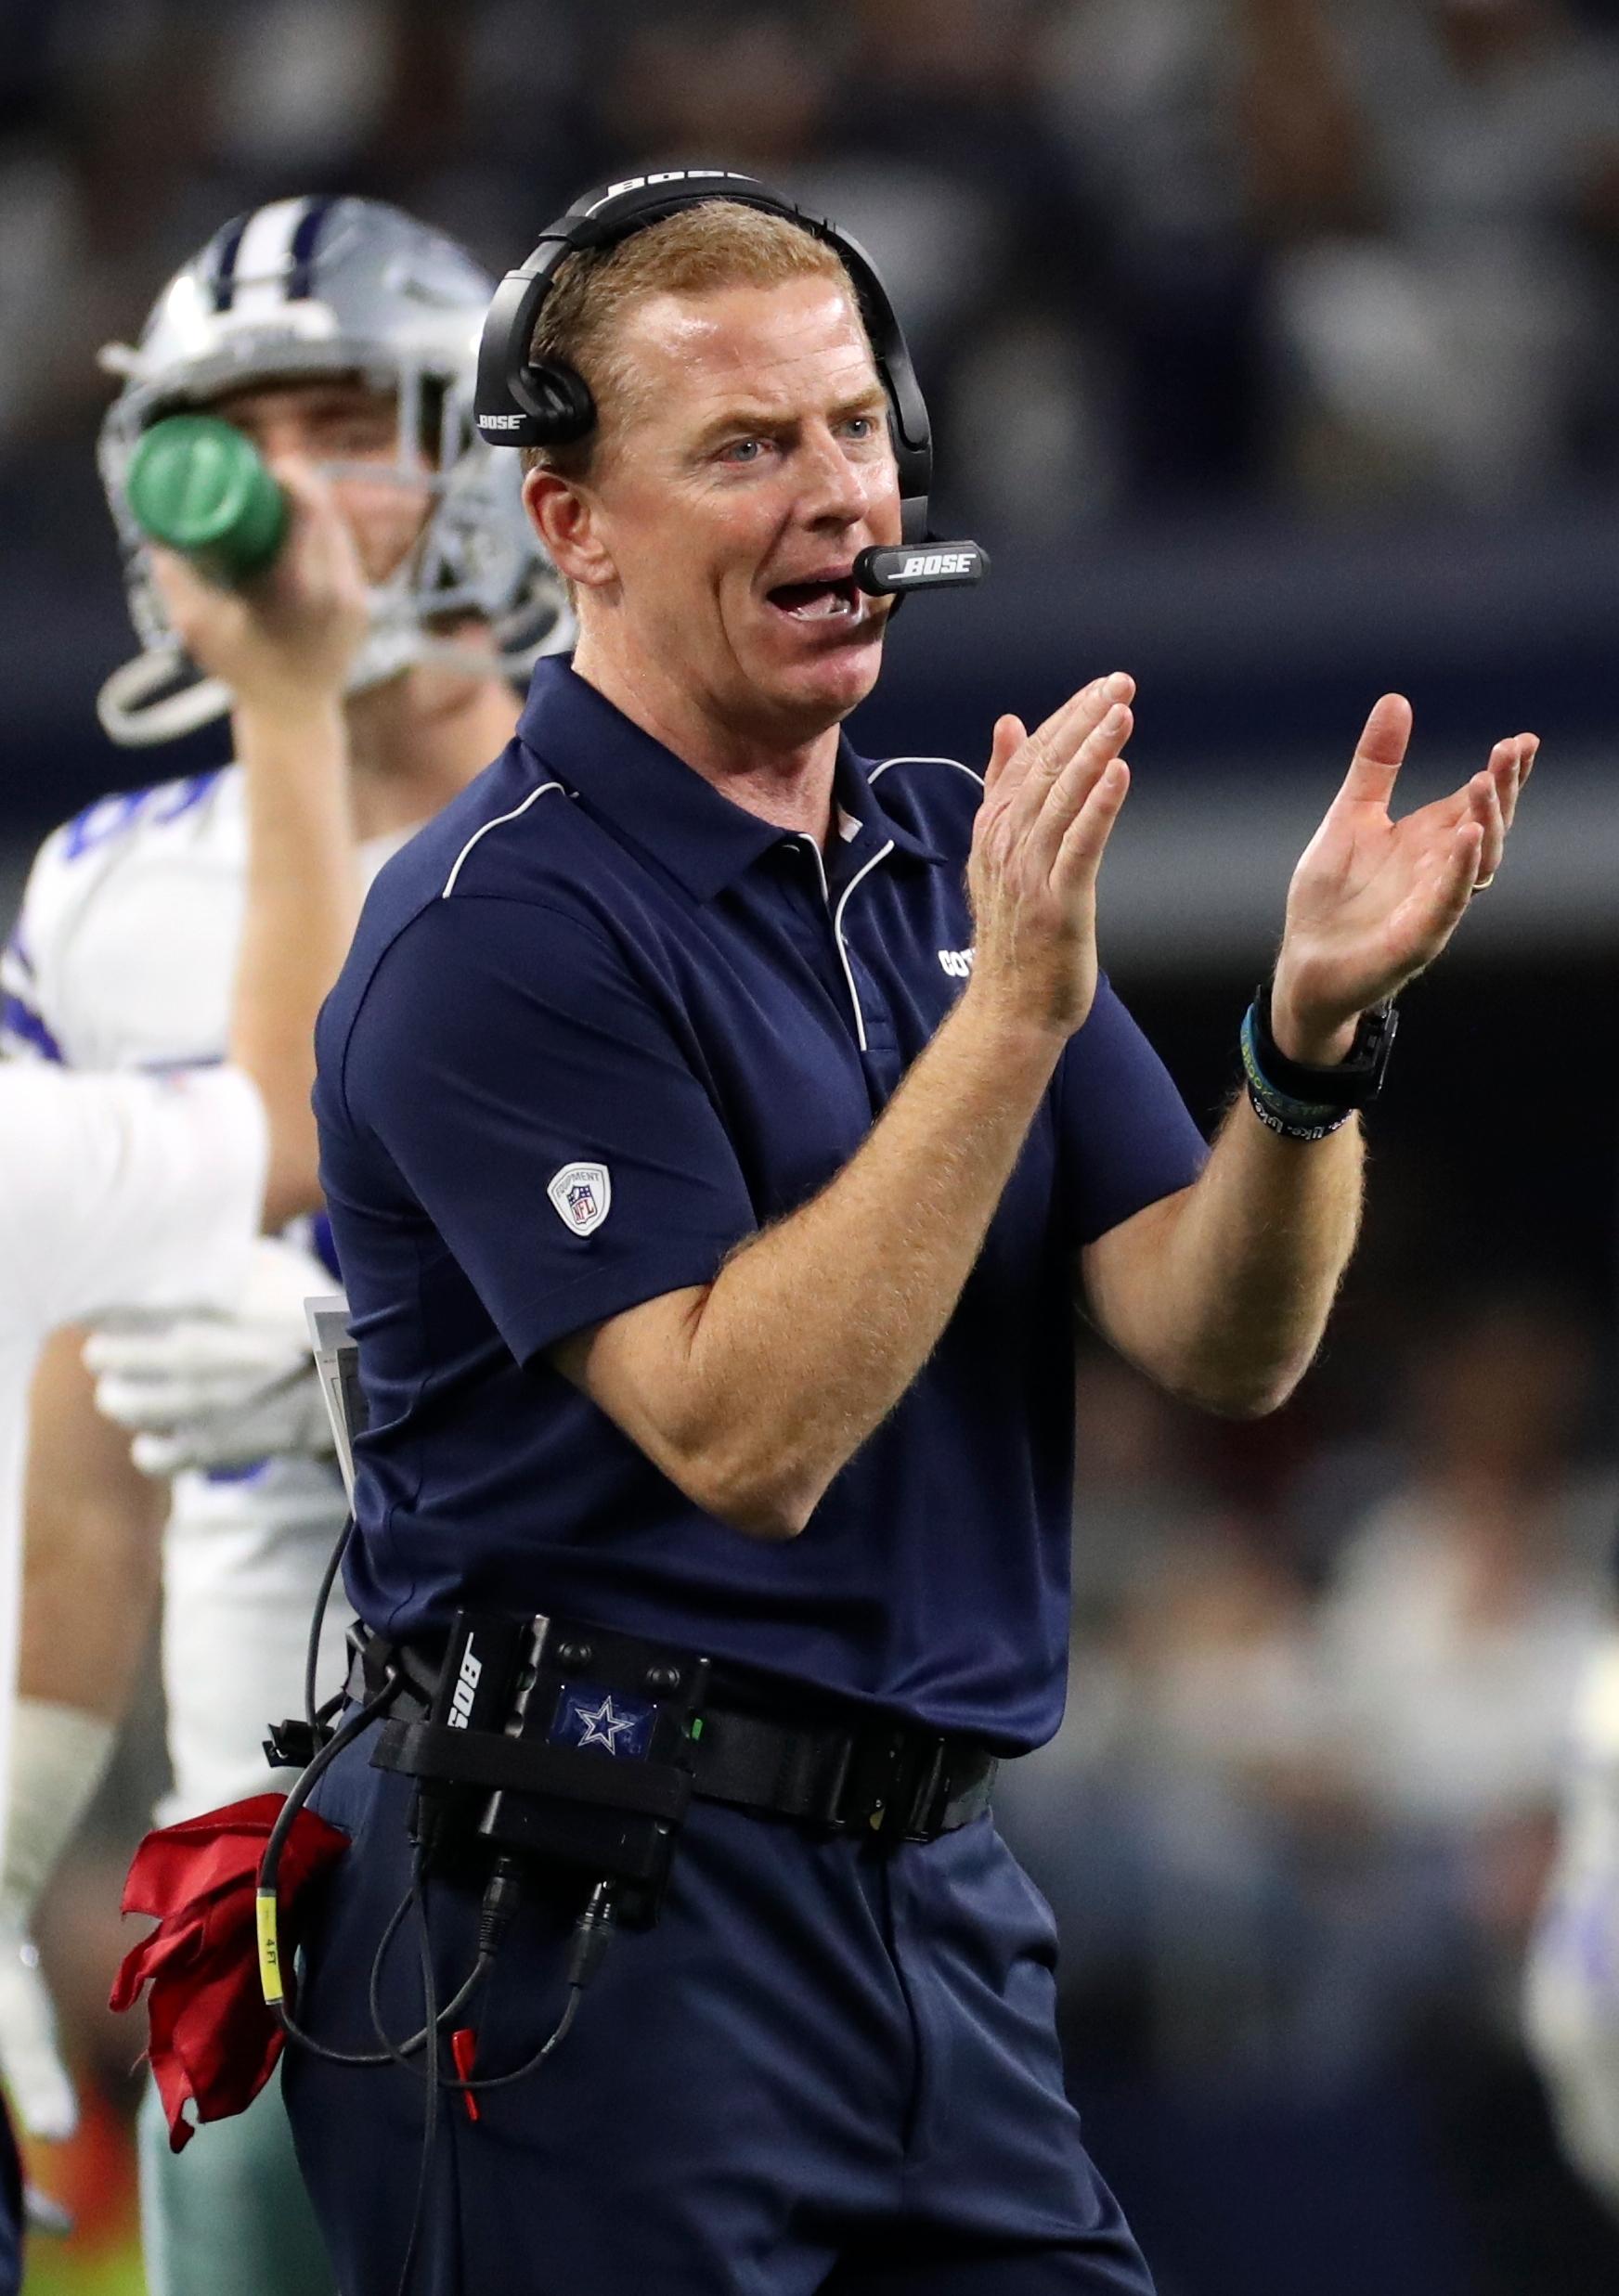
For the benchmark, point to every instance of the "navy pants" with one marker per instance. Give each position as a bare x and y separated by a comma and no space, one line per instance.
10,2209
830,2067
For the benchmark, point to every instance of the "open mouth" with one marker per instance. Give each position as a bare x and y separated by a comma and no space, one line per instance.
834,599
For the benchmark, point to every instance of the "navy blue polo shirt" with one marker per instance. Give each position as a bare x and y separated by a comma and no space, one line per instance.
598,1027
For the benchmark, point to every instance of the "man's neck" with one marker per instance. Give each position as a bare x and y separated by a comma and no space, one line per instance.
418,740
784,781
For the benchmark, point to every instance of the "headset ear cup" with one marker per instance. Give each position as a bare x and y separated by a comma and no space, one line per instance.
557,400
546,404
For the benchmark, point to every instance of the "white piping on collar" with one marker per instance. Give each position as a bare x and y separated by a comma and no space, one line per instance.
864,869
499,822
860,1026
971,771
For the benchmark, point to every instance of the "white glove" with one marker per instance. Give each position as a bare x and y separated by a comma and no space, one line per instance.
39,2083
59,1754
211,1391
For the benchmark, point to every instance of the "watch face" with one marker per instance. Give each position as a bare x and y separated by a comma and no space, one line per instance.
1353,1082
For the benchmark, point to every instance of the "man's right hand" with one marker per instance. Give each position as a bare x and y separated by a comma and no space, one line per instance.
1051,799
208,1390
284,642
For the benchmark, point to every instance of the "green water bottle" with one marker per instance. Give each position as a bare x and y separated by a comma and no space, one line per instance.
202,488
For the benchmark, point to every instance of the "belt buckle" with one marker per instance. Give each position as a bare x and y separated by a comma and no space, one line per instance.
892,1781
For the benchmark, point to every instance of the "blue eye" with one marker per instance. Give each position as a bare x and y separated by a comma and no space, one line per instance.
744,450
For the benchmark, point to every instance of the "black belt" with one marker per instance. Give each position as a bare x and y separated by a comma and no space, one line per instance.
842,1770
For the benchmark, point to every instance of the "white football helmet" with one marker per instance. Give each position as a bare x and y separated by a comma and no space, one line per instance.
312,287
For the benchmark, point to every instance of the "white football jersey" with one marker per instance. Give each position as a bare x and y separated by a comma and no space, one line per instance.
115,1192
123,956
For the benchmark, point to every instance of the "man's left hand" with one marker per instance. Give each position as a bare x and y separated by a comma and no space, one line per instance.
1374,900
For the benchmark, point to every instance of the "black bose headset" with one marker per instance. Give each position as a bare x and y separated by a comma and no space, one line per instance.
521,402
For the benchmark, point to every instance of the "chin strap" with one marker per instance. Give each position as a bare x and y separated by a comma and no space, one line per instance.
137,712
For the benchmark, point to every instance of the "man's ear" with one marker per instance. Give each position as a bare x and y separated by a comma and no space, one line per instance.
565,516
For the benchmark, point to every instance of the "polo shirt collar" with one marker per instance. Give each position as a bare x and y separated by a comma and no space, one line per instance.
658,802
855,801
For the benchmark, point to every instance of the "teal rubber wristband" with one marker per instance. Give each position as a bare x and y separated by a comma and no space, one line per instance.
1277,1110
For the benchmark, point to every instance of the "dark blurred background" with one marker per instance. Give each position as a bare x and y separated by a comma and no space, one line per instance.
1271,347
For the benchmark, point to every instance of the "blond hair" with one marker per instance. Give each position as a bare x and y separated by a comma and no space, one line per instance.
719,243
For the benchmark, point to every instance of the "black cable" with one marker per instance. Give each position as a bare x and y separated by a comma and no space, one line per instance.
557,2035
430,2015
378,1959
269,1865
403,2052
306,1781
593,1933
312,1648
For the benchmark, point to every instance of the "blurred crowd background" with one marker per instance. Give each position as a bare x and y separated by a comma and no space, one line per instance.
1272,350
1333,255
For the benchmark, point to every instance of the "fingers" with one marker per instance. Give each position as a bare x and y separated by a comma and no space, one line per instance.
1511,763
321,547
1030,773
1485,810
188,600
1379,754
1066,796
1086,706
314,508
140,1355
1086,839
1458,874
1009,736
1490,799
299,479
1432,912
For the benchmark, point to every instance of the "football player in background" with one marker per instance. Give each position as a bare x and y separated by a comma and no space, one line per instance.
145,1193
1572,1996
343,330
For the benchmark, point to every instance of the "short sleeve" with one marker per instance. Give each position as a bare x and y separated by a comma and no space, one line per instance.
128,1191
543,1104
1126,1138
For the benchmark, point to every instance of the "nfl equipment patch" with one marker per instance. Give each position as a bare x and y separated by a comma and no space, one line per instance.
582,1194
588,1715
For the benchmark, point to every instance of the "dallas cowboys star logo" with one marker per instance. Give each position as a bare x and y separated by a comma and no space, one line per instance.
603,1726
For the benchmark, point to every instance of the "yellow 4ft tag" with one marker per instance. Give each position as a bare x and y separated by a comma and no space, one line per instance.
269,1949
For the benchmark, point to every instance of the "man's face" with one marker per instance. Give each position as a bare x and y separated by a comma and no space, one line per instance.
749,464
339,419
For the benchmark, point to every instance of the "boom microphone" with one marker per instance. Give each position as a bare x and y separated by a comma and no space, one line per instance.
926,566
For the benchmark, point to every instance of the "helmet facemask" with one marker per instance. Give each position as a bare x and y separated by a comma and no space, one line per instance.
399,308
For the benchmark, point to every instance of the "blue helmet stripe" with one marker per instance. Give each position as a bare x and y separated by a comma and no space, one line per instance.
301,280
224,269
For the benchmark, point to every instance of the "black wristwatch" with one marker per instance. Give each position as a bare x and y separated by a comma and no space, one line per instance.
1353,1082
